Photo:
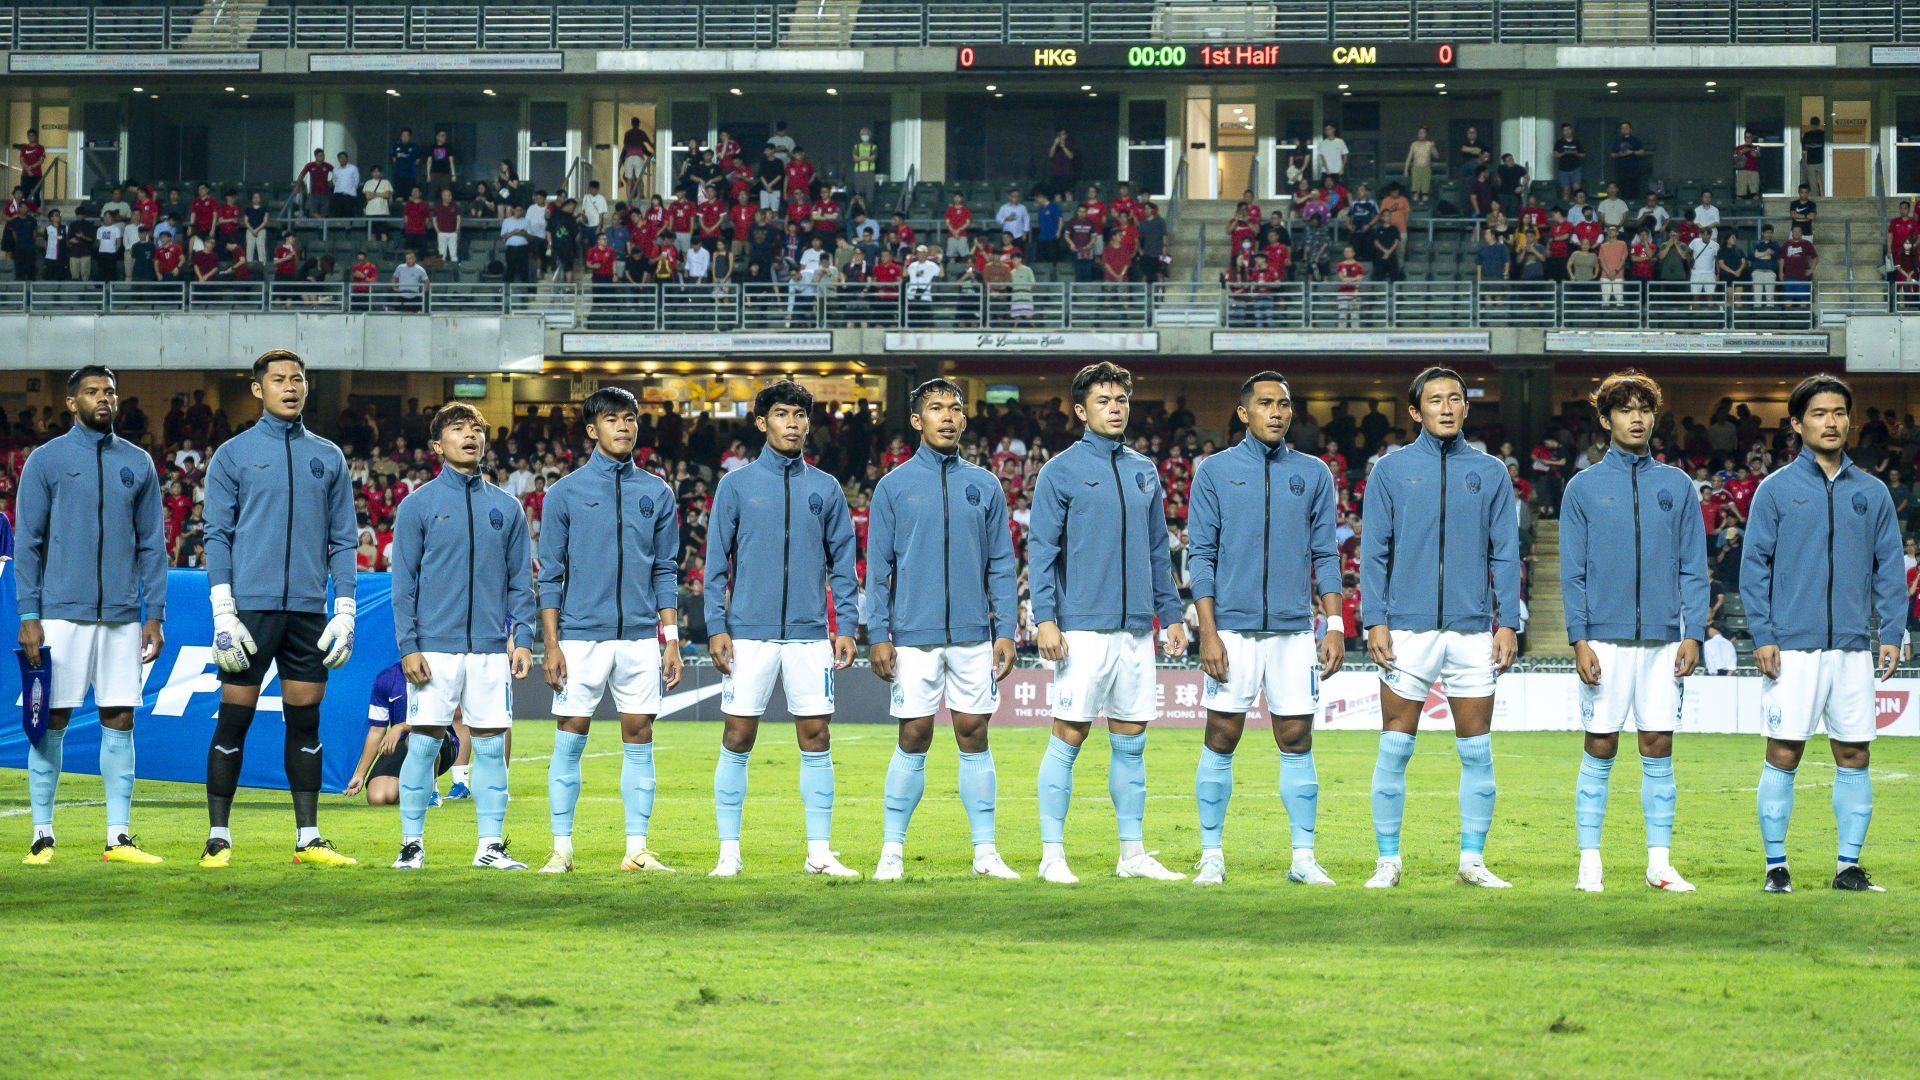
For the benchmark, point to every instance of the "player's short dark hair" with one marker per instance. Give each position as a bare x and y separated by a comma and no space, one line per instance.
1420,381
784,392
930,387
90,371
1622,388
275,356
1812,385
1246,388
609,400
1106,371
453,412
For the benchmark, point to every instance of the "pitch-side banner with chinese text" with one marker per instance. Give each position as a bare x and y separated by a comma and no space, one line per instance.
175,720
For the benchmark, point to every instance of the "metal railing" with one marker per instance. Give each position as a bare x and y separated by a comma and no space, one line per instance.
1040,305
885,23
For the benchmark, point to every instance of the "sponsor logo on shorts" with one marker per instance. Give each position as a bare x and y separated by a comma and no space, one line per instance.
646,506
1297,485
126,477
726,693
1473,483
1586,711
1665,499
1860,504
1063,698
316,468
899,694
1213,688
1773,718
814,504
973,495
496,519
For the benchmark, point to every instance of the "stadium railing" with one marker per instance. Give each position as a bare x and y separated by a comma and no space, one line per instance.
802,25
1371,305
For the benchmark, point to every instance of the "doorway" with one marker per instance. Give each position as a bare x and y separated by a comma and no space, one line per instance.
1233,142
1852,154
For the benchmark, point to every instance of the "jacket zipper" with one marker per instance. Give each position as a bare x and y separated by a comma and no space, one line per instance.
1120,493
1266,532
1829,565
1440,616
471,556
1633,472
100,529
946,552
286,563
619,557
786,546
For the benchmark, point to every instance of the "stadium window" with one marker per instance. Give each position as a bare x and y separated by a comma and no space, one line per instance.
1766,117
1906,144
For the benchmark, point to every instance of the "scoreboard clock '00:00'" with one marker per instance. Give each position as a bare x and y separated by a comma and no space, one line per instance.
1266,56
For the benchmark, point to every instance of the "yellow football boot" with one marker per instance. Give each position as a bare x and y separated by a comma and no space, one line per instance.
42,852
217,854
128,851
646,861
322,853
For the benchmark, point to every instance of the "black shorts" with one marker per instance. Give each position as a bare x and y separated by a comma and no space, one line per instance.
289,638
389,764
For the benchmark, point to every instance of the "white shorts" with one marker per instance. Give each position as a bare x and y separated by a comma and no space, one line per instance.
1816,687
630,668
1636,679
1286,666
633,167
804,669
1461,665
1106,673
960,675
480,685
105,656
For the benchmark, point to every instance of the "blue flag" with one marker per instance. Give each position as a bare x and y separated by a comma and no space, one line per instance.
36,687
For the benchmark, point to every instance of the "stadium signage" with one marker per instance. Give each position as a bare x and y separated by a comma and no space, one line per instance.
1624,341
91,63
435,62
581,344
1251,56
1894,56
1287,341
998,341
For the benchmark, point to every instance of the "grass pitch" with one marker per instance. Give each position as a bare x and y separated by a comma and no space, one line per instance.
271,968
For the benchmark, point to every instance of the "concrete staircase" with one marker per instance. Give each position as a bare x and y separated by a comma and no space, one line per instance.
1547,615
224,24
1197,216
1840,260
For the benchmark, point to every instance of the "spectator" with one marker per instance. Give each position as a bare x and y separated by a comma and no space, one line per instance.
636,153
1802,212
1746,168
315,181
33,167
1418,165
507,189
446,227
79,245
536,217
442,170
257,219
1063,165
800,173
782,143
866,165
107,252
1731,266
1813,157
1511,185
1491,260
1653,217
1798,259
1764,264
286,258
141,250
958,220
1629,160
516,249
205,208
1081,235
771,177
1706,215
1387,254
1480,194
410,281
1719,654
404,157
1014,219
1330,156
593,213
1568,158
1613,208
1705,253
1471,152
1612,256
346,189
362,276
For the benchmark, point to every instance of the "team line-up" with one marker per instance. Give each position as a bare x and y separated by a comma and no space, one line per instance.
1440,604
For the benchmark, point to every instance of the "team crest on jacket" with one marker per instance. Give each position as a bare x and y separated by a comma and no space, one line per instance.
495,519
1140,479
973,495
319,470
814,504
1666,501
1296,485
1473,483
126,477
1860,504
646,506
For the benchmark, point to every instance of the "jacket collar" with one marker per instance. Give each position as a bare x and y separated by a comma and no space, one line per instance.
91,438
279,427
1101,443
600,462
1620,457
1426,441
1260,450
1806,455
775,461
927,455
454,478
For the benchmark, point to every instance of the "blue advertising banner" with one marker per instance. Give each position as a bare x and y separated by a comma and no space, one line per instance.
181,701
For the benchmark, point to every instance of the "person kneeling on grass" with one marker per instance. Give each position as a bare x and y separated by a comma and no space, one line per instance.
378,772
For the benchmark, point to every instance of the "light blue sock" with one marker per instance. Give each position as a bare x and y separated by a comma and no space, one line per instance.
729,792
979,791
1657,796
416,782
490,784
1127,783
1300,793
563,780
116,771
636,785
1590,800
906,782
1390,789
816,792
43,774
1476,792
1056,789
1776,809
1212,788
1852,810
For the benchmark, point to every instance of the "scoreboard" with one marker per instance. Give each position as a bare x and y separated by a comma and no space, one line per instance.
1269,56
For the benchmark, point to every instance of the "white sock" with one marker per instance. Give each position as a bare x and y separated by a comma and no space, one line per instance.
1132,848
636,845
1394,859
730,849
42,830
487,842
115,834
461,772
898,851
983,852
307,836
819,851
405,840
1053,851
1469,858
1591,857
220,832
1302,855
563,845
1659,858
1212,853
